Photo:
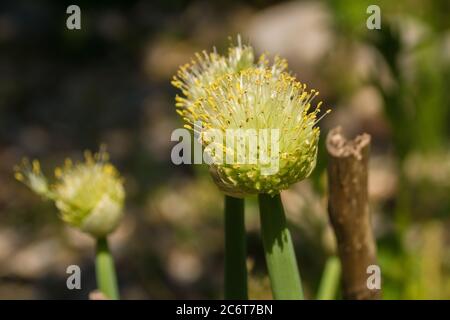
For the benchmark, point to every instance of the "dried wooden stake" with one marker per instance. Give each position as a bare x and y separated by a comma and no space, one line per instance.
348,208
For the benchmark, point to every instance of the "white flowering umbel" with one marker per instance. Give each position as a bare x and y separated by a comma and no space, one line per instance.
253,98
194,78
256,99
88,195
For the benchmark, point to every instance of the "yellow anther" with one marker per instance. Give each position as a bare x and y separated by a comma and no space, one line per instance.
19,176
58,172
36,166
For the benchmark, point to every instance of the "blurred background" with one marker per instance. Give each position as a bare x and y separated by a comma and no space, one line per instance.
64,91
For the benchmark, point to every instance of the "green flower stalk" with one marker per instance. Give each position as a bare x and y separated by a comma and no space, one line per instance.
89,196
279,250
271,113
330,279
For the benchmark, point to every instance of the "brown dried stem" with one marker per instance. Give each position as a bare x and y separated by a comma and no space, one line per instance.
348,209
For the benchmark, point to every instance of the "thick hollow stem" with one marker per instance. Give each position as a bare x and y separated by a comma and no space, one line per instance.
330,279
279,250
235,250
105,271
